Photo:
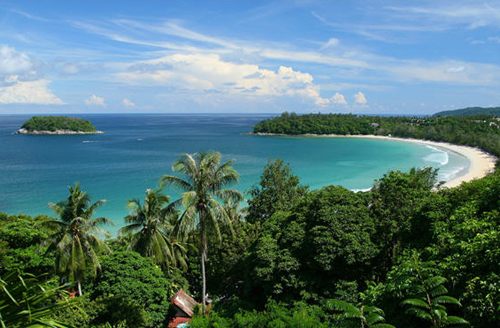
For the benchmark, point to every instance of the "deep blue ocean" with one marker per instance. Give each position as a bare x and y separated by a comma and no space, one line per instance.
138,149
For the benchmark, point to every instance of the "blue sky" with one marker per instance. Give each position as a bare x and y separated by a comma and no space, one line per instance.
117,56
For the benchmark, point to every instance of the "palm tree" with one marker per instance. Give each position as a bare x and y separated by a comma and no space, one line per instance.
149,229
76,239
203,187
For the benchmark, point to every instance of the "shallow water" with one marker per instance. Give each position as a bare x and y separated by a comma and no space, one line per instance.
138,149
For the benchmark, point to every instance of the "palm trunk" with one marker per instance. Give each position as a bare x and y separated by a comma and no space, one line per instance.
79,288
203,241
204,281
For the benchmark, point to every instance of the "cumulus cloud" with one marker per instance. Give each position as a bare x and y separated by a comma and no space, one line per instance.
29,92
208,73
128,103
359,98
95,101
13,62
339,99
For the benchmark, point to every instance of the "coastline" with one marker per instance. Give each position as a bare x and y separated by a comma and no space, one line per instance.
481,163
56,132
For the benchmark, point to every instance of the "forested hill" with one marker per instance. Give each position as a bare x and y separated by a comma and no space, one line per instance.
57,123
470,111
481,131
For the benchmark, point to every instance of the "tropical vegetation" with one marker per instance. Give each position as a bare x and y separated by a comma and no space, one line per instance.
404,254
203,187
53,123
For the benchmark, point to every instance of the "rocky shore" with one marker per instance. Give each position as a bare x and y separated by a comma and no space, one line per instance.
56,132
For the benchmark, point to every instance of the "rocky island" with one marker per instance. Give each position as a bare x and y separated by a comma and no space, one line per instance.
57,125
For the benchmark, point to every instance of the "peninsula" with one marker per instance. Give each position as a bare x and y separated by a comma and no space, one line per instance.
57,125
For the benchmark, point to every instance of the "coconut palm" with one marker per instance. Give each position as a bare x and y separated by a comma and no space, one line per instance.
150,229
203,187
76,239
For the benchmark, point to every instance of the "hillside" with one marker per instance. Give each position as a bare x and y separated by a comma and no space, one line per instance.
470,111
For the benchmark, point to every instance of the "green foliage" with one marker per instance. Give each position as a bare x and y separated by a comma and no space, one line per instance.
275,315
467,246
24,302
430,300
327,237
151,229
81,313
278,190
20,239
134,287
76,241
53,123
362,316
396,199
203,186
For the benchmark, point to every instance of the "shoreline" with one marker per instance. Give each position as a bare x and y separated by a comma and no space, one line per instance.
481,162
56,132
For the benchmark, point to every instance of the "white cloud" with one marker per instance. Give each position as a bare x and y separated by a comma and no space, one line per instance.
331,43
456,69
128,103
359,98
456,72
339,99
13,62
95,101
29,92
473,14
208,73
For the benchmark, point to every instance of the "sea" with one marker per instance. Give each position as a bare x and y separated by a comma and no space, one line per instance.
137,149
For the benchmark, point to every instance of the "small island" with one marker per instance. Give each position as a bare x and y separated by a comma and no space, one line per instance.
57,125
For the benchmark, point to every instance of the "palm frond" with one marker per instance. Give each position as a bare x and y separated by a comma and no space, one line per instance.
176,182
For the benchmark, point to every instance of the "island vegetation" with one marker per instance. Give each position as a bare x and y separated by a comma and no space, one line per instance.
482,131
399,255
56,125
470,111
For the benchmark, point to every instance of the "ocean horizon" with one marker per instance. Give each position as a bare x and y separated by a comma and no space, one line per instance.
138,149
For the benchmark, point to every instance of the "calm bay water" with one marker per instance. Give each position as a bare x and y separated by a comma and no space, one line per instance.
138,149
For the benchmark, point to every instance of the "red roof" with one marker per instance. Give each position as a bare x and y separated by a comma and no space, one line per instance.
184,302
177,321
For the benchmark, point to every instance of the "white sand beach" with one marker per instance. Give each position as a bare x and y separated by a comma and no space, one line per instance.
481,163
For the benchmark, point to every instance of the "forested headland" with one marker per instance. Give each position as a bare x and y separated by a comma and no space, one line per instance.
400,255
52,124
481,131
470,111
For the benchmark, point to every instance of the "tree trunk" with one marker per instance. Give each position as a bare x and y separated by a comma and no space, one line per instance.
79,288
204,289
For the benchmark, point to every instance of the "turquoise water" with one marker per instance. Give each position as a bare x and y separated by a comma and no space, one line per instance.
138,149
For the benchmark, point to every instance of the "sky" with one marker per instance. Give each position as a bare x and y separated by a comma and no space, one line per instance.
248,56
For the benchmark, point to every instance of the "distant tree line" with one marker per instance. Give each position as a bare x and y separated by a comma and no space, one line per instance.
53,123
470,111
481,131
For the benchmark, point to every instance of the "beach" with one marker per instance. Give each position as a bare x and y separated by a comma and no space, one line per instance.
481,163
